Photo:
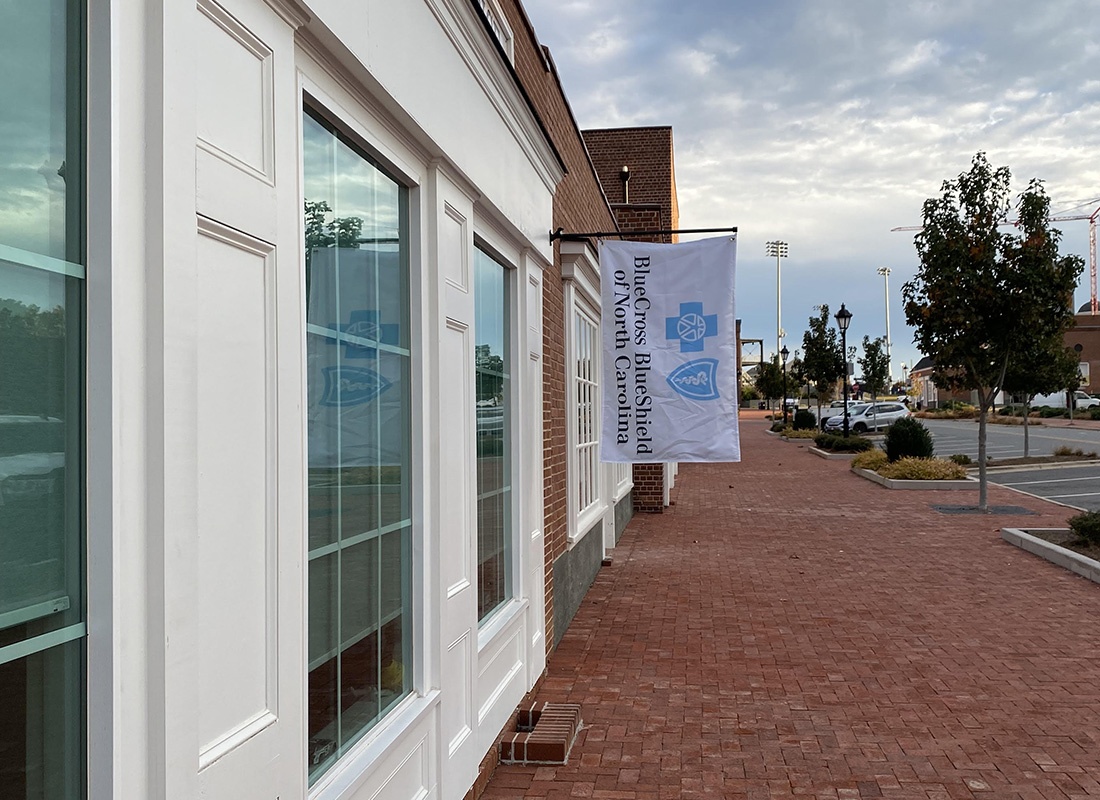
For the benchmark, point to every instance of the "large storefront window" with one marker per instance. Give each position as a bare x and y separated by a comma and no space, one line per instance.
358,417
494,440
42,625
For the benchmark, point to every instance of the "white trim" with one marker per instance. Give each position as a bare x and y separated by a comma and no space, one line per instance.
468,35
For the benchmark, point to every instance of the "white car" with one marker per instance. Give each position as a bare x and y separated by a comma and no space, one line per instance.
868,417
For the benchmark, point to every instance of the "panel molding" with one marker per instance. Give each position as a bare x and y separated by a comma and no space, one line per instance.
458,278
254,46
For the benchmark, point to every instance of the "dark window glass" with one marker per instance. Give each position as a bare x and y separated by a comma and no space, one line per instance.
358,418
42,625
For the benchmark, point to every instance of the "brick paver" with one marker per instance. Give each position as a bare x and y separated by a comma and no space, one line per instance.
788,629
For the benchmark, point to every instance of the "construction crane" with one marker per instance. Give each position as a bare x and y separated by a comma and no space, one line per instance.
1095,308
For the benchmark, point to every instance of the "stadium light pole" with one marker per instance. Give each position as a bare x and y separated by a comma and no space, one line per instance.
778,250
885,273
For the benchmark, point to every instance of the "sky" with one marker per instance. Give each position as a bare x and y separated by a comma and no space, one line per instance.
825,123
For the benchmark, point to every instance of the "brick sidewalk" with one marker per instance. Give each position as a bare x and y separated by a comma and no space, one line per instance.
788,629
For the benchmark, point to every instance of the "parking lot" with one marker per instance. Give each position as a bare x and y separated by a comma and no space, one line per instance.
1074,484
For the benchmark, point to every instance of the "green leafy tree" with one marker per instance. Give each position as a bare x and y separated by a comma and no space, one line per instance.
796,376
980,295
322,229
1042,366
769,379
823,361
875,365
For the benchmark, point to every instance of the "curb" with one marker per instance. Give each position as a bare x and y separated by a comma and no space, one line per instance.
1055,554
832,456
891,483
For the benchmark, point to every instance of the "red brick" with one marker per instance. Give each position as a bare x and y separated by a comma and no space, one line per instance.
790,630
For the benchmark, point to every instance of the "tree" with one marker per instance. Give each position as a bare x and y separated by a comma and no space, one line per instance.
875,365
823,361
1041,367
769,379
324,230
796,376
979,295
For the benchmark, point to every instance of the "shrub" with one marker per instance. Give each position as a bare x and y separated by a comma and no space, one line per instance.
804,420
1087,526
962,459
777,426
923,469
1094,412
1069,451
795,433
841,444
870,459
908,438
1046,412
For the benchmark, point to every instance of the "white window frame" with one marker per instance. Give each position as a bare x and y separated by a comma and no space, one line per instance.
322,84
501,29
581,275
494,246
587,492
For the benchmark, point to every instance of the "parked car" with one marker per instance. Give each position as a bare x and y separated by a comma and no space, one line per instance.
837,407
1081,400
868,417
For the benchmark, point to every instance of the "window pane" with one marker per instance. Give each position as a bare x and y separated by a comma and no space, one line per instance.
41,136
492,382
41,401
41,570
358,417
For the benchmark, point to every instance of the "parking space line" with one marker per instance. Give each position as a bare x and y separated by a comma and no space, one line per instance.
1085,494
1053,480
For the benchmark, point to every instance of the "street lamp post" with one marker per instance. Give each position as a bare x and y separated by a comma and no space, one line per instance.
843,318
778,250
885,273
784,352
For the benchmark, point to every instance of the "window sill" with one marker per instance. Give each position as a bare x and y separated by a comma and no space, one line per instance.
501,620
348,774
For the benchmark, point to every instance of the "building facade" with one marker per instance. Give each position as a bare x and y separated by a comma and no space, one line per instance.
271,325
1084,339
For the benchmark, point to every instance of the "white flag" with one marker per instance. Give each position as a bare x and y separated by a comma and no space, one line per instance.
669,351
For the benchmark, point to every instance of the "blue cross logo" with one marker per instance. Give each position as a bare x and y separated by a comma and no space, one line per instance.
364,325
692,327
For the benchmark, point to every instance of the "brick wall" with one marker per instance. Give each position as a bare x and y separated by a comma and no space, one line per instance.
648,153
1086,333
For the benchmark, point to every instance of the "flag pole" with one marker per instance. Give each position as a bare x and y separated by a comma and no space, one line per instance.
573,237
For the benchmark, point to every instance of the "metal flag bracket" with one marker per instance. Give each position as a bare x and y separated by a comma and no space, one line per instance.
575,237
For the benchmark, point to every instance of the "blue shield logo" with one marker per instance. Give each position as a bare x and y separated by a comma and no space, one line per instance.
696,379
351,386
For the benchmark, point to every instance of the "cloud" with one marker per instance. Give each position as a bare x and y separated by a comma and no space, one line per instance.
925,54
828,124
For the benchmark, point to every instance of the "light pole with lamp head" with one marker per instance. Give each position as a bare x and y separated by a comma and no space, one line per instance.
843,319
778,250
784,352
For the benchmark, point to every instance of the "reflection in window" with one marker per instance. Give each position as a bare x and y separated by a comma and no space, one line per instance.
358,417
41,402
494,414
